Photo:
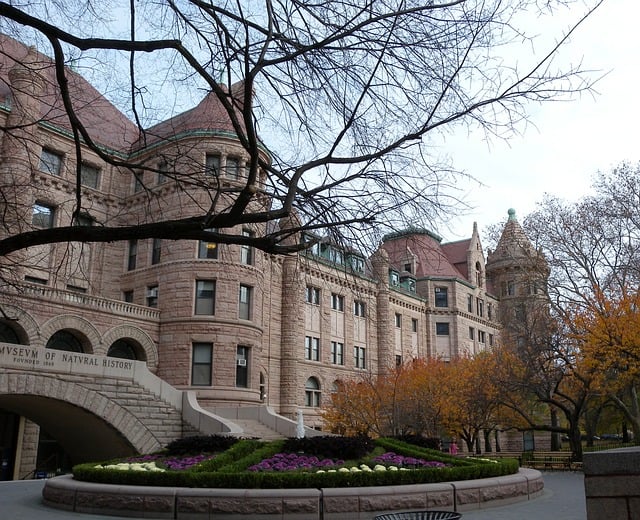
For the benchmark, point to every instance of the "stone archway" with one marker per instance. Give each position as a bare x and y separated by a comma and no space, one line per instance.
82,328
22,323
88,424
138,336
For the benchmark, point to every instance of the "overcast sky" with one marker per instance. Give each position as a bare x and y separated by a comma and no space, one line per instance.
570,141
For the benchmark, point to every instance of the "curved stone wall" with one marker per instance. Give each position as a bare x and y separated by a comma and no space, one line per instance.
299,504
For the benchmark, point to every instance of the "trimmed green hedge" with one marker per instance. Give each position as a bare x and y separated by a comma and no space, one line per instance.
228,470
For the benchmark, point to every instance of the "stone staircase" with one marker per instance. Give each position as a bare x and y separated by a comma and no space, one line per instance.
261,422
254,428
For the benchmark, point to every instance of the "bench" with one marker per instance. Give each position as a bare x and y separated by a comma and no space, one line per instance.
550,460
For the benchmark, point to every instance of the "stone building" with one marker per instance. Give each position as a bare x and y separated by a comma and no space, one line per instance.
235,325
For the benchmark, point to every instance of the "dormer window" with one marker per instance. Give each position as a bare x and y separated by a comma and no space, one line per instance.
394,278
357,263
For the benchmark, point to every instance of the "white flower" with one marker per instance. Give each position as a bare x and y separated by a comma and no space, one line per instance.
379,467
320,471
344,470
392,468
355,470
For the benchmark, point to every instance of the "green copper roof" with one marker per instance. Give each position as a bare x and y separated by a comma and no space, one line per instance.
411,230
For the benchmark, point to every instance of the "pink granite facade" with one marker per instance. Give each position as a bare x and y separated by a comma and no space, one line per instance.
237,326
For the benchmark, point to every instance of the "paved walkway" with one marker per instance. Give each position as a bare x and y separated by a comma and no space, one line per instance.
563,499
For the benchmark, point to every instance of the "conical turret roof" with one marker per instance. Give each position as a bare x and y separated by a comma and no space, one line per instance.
513,243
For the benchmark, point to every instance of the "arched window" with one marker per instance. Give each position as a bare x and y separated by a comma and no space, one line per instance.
8,335
263,387
312,392
478,274
122,349
65,340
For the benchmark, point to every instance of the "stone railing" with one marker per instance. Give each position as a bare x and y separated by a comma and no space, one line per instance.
88,301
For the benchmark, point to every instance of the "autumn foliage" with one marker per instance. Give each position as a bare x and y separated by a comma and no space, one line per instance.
429,397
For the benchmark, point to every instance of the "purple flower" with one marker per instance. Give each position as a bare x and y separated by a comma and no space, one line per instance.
393,459
293,461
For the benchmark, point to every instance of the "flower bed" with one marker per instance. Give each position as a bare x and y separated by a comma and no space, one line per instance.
254,464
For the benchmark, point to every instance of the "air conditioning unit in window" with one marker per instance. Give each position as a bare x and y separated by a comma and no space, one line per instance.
152,292
242,362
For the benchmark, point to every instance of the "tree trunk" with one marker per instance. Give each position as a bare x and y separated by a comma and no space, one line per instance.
487,441
556,442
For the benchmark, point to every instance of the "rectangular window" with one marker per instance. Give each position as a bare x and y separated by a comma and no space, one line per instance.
138,185
481,336
480,305
472,333
163,168
312,348
42,216
133,255
414,325
337,302
127,296
491,340
398,320
313,295
357,263
242,367
205,297
360,357
510,288
442,297
398,360
232,168
246,251
394,278
337,353
156,251
359,308
89,175
201,364
208,249
442,329
152,296
244,302
469,303
84,220
212,165
50,162
489,311
33,279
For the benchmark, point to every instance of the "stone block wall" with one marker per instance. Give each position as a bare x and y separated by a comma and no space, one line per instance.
612,483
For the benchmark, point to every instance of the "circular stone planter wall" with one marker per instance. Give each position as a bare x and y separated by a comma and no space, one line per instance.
287,504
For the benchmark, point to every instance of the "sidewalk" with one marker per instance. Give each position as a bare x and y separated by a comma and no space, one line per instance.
563,499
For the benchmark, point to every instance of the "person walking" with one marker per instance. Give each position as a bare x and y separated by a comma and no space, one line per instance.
453,447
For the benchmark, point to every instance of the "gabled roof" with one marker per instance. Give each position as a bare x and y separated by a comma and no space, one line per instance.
430,256
456,252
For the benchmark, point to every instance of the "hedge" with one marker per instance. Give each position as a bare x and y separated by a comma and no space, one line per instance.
228,470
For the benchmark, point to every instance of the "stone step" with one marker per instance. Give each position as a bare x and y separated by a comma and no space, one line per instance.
253,428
